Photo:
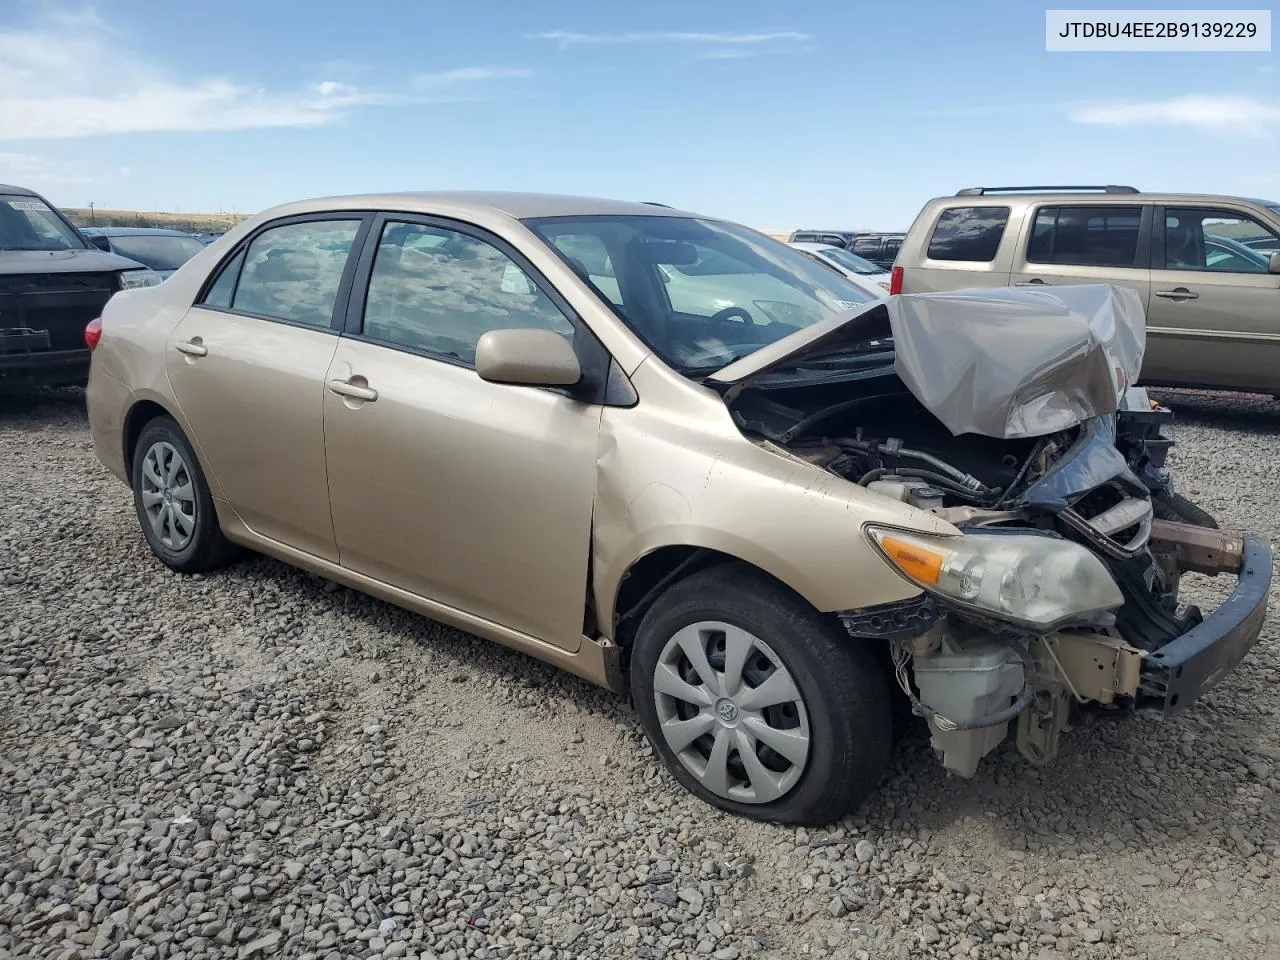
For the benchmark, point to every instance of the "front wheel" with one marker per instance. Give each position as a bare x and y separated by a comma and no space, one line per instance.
757,703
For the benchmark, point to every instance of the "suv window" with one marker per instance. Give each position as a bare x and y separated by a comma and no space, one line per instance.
971,234
1216,240
439,291
1099,236
291,272
864,246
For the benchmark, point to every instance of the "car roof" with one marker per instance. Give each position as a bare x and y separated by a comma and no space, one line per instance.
17,191
519,206
1094,199
134,232
809,245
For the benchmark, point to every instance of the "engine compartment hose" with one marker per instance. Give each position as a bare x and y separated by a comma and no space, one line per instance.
945,723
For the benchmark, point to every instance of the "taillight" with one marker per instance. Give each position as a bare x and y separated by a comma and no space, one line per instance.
93,333
895,281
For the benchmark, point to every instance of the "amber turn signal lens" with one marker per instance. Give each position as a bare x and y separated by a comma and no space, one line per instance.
913,560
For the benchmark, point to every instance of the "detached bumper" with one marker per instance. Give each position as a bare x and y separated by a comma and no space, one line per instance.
1183,669
45,368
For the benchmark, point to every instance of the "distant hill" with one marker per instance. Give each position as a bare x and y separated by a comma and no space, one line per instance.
190,222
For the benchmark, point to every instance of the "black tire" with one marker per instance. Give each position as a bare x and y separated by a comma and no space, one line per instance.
1174,506
843,689
207,548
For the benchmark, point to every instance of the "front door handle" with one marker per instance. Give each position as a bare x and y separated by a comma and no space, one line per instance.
1028,283
356,391
192,348
1177,293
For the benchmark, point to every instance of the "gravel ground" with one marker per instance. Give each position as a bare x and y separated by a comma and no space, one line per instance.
261,764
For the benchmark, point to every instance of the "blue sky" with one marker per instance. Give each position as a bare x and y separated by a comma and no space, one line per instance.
775,114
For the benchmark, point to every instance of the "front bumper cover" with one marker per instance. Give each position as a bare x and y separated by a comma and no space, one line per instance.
1180,671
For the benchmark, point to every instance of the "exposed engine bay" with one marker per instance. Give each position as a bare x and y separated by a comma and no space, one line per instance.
981,647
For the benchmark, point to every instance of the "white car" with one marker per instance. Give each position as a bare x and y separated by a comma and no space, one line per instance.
864,273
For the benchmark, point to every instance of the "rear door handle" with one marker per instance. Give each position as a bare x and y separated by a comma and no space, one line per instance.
1178,293
192,348
1028,283
356,391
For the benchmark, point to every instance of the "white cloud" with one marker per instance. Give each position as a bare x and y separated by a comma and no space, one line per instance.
33,169
1236,114
568,38
74,76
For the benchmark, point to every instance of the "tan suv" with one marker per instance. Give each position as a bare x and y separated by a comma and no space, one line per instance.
681,459
1207,268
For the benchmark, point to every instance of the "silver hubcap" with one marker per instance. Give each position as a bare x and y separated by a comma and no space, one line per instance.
168,495
730,711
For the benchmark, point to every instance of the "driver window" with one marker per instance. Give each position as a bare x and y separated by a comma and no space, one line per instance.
1217,241
437,291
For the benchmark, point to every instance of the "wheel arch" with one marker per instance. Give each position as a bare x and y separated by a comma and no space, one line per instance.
140,414
652,572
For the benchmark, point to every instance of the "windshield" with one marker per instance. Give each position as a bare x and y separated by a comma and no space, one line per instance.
700,293
157,251
28,223
850,261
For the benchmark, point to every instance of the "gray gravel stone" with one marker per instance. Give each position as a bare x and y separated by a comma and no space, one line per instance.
200,768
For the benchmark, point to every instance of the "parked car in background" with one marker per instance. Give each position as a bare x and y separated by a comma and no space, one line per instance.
674,456
207,238
878,248
164,251
862,272
52,282
1206,268
835,238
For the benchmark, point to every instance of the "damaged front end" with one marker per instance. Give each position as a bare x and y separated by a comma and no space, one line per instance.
1062,591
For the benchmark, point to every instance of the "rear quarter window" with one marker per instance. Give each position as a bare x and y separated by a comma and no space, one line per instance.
970,234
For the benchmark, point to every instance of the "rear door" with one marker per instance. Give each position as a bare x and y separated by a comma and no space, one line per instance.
1214,318
1086,243
247,365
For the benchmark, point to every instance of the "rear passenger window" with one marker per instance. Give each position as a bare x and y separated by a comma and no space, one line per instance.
868,247
1105,236
971,234
292,272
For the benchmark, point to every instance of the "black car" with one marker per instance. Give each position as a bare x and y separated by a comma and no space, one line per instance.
52,283
879,248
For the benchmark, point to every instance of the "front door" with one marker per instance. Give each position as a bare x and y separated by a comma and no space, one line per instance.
472,494
247,366
1214,318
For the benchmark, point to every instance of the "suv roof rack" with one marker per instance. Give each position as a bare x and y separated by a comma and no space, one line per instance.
1099,188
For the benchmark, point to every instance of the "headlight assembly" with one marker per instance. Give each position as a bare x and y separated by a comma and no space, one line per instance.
131,279
1039,583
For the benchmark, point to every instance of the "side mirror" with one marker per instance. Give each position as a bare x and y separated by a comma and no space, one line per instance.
102,243
1273,262
537,358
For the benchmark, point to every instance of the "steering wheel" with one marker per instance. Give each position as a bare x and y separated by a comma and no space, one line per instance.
728,313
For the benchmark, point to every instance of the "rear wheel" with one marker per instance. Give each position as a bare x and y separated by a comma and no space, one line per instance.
757,703
171,496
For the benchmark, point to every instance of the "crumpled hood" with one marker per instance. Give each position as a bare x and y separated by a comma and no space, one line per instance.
14,262
1004,362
